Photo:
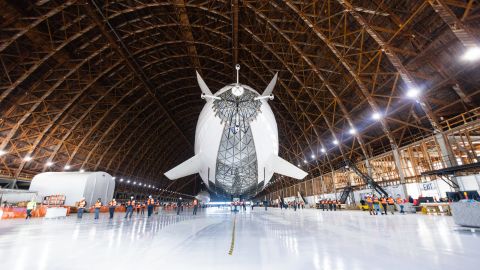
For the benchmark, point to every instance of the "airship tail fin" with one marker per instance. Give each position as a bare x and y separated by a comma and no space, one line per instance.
268,91
283,167
188,167
203,85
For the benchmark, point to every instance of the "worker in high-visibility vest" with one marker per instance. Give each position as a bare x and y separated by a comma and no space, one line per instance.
31,205
400,203
391,205
98,205
111,207
376,205
369,201
150,205
195,206
130,205
81,207
383,200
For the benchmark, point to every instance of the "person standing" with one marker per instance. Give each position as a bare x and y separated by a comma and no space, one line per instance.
81,207
143,206
179,205
150,205
31,205
391,205
400,204
370,205
195,206
98,205
265,203
130,205
383,200
376,205
111,207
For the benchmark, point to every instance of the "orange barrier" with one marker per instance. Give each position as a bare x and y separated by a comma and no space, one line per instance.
21,212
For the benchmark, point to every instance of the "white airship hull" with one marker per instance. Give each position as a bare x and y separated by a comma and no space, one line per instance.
208,137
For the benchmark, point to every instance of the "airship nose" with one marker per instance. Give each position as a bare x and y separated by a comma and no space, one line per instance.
238,90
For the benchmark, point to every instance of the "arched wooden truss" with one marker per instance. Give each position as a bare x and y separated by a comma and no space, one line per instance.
110,85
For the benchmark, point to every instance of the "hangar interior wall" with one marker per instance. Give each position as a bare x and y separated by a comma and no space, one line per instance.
414,159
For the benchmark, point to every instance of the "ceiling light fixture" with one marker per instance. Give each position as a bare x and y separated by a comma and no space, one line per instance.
472,54
323,150
335,142
2,152
352,131
67,167
376,116
27,158
413,93
49,164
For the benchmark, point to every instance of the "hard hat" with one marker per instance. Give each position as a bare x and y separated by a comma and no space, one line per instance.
131,197
150,196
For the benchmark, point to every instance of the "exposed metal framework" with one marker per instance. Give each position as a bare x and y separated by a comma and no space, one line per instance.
110,85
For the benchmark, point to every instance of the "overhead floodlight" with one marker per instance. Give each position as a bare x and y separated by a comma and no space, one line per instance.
134,183
27,158
312,156
323,150
352,131
335,142
304,161
376,116
82,170
413,93
49,164
2,152
472,54
298,165
128,181
67,167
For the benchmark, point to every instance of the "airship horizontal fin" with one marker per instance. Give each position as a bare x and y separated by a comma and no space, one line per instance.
268,91
283,167
203,85
188,167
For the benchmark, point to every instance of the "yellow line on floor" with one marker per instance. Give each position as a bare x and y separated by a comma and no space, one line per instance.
232,244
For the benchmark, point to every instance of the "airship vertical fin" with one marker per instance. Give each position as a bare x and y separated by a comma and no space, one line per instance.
188,167
268,91
203,85
283,167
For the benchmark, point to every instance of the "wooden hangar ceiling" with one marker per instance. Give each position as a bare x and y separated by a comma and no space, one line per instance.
110,85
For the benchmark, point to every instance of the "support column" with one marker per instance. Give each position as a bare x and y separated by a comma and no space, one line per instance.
447,154
398,164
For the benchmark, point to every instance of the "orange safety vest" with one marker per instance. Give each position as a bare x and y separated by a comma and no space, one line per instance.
112,203
384,201
391,201
130,203
369,200
151,202
81,204
98,204
399,201
195,202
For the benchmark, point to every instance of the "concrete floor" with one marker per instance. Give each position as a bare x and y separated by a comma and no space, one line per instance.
308,239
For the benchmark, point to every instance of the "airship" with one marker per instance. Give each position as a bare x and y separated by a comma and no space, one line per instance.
236,141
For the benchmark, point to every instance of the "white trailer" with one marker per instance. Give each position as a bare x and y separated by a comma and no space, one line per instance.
75,185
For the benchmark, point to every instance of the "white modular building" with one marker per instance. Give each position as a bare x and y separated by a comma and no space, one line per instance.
75,185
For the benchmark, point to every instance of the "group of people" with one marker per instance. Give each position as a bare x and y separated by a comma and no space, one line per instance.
130,205
293,204
387,203
329,205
